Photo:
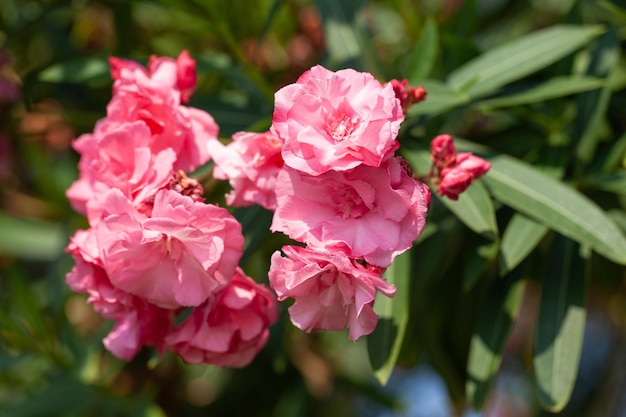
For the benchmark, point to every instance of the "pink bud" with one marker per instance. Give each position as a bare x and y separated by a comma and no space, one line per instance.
186,75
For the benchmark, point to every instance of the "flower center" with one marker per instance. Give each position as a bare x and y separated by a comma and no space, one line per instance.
348,203
341,126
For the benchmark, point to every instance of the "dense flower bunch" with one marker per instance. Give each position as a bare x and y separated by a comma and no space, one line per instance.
328,170
154,249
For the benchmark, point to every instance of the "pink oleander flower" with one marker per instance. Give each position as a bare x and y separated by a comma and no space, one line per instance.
178,257
137,322
336,121
373,213
152,96
118,156
331,291
178,74
251,163
230,328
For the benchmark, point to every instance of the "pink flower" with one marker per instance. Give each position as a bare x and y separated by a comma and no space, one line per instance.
118,156
152,96
371,213
230,328
179,74
178,257
331,291
336,121
251,163
137,323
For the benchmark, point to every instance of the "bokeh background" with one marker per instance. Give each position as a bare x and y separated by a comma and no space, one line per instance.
55,84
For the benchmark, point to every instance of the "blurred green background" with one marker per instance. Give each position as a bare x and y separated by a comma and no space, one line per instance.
531,261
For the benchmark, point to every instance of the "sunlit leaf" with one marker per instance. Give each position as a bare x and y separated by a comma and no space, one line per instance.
475,209
496,320
555,205
439,98
31,239
518,58
80,70
560,325
551,89
424,53
383,345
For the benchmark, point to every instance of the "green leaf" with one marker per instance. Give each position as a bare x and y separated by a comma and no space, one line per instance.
77,71
496,320
475,209
615,182
31,239
439,99
479,258
519,58
520,237
554,88
560,325
424,53
594,104
555,205
341,40
383,345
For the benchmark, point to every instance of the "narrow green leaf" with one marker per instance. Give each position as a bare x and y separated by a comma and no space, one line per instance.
496,320
554,88
439,99
30,239
475,209
479,257
383,345
77,71
555,205
424,53
560,325
616,156
519,58
615,182
341,40
593,104
520,237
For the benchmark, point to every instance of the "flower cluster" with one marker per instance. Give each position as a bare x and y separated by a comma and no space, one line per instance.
154,249
328,171
456,171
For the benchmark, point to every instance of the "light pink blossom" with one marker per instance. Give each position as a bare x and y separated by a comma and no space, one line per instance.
230,328
251,163
137,322
118,156
152,96
371,213
331,291
336,121
178,257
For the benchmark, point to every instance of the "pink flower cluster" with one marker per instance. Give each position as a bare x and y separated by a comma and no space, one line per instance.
456,171
328,171
154,249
